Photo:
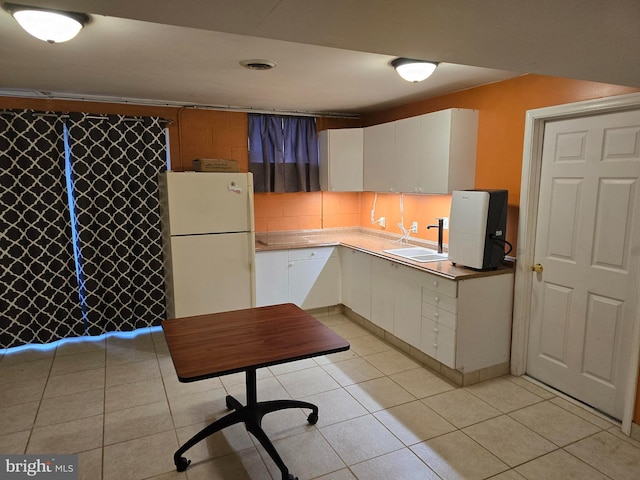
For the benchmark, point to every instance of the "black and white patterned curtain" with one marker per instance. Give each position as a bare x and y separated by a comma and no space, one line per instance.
38,283
115,162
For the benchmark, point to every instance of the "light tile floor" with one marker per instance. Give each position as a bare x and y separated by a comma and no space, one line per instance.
118,404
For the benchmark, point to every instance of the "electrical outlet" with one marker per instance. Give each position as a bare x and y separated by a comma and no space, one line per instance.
414,227
383,222
445,223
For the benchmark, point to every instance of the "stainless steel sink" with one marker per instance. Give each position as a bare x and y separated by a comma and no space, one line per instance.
418,254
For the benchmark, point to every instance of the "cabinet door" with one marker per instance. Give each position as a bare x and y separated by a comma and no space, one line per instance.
382,293
484,340
341,159
448,150
379,153
314,280
272,277
462,149
434,165
408,155
355,269
407,304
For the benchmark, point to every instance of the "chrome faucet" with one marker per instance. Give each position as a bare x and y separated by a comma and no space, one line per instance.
440,228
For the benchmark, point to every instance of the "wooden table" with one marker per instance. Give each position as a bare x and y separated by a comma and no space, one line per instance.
217,344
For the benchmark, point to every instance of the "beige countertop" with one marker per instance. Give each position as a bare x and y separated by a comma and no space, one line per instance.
372,242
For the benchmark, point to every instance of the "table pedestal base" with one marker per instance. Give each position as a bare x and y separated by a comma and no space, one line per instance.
251,415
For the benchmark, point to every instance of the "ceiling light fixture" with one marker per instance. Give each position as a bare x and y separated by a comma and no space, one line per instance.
52,26
414,70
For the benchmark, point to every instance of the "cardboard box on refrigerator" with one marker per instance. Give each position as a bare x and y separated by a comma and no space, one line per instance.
215,165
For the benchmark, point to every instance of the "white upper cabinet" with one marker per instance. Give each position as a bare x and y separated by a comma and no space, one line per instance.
431,153
408,154
448,151
341,159
379,153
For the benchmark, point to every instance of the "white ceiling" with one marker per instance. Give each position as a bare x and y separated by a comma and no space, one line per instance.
331,55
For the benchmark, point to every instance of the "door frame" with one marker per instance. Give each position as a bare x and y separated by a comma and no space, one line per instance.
529,192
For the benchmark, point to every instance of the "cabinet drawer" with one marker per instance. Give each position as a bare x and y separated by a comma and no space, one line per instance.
437,343
311,253
436,299
440,332
439,316
440,285
446,354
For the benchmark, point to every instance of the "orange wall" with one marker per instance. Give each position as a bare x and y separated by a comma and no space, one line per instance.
212,134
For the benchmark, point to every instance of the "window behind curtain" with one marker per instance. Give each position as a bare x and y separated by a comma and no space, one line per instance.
283,153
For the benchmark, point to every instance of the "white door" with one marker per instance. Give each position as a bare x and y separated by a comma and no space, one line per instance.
588,244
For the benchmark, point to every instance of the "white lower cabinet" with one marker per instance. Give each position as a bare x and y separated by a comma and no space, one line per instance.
308,277
272,277
439,307
464,324
382,291
484,318
314,277
407,304
355,273
396,299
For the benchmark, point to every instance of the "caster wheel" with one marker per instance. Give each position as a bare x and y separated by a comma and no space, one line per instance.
182,464
312,418
289,477
229,403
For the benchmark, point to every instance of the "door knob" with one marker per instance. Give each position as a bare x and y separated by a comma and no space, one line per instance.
538,268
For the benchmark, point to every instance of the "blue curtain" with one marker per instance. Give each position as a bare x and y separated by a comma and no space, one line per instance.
283,153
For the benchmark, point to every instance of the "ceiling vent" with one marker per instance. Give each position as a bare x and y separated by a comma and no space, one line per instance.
258,64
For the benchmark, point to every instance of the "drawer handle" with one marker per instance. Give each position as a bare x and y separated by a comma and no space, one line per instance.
437,299
435,345
435,330
436,314
435,284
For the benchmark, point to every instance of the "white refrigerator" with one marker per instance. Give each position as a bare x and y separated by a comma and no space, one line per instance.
208,241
